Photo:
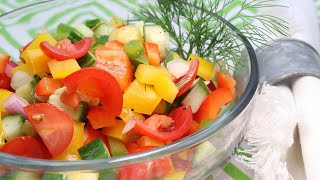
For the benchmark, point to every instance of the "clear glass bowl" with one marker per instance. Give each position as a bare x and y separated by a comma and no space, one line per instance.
19,26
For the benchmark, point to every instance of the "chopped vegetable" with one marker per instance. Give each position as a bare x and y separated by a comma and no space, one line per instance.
47,86
62,69
4,59
186,81
206,68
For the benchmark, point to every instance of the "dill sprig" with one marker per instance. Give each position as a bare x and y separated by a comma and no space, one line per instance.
194,27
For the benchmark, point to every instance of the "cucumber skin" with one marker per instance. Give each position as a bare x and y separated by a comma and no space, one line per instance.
117,147
50,176
202,152
11,122
96,149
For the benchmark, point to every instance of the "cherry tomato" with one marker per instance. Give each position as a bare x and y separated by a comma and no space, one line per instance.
65,50
5,82
164,131
53,124
26,146
186,81
114,59
106,86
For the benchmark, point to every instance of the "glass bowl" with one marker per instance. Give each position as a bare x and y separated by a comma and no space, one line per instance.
213,144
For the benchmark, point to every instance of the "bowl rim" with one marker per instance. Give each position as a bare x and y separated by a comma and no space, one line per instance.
182,144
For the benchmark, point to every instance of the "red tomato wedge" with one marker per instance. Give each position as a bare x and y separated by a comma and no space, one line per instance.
53,124
5,82
4,59
186,81
152,53
226,81
47,86
105,85
213,103
26,146
65,50
114,59
179,125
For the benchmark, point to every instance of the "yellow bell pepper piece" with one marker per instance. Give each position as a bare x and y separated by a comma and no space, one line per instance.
206,68
175,176
141,97
61,69
115,131
148,141
38,61
160,78
25,68
115,22
127,114
71,153
36,44
2,142
83,176
4,94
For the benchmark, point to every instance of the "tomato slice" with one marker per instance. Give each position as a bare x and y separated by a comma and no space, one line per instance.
114,59
26,146
4,59
186,81
179,125
65,50
47,86
5,82
53,124
153,53
108,89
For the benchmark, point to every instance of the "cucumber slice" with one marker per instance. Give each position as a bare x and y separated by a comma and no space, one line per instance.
26,91
92,22
103,30
75,36
51,176
202,152
117,147
84,30
170,57
134,48
87,60
12,126
63,31
19,79
27,129
156,34
20,175
107,174
96,149
140,26
197,95
101,41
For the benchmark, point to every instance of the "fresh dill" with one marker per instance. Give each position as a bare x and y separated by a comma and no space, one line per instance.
194,27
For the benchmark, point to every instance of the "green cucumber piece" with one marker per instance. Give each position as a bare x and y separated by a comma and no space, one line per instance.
63,31
94,150
12,126
205,123
117,147
92,23
20,175
134,48
51,176
74,36
202,152
82,111
100,41
170,57
156,34
27,129
102,30
142,59
87,60
26,91
84,30
197,95
107,174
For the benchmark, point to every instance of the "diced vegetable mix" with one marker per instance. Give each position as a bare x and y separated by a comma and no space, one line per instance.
100,90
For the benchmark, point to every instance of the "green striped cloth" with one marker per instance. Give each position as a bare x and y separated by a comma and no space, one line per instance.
72,14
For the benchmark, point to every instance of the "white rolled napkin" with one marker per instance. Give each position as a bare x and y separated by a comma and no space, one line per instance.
306,92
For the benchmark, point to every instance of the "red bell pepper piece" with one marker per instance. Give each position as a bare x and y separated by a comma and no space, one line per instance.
4,59
47,86
65,50
5,82
179,125
226,81
152,53
186,81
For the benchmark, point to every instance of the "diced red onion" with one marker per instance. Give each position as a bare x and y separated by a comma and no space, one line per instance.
15,104
130,125
211,86
9,67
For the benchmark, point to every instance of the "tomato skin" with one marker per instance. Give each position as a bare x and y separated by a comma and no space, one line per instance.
193,128
70,99
47,86
100,117
211,106
5,82
135,148
4,59
187,80
182,118
112,58
53,124
65,50
110,93
153,53
26,146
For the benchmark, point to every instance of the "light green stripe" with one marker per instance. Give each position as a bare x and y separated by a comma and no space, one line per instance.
77,16
235,172
9,38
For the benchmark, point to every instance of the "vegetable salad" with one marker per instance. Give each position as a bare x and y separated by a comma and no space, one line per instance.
100,90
